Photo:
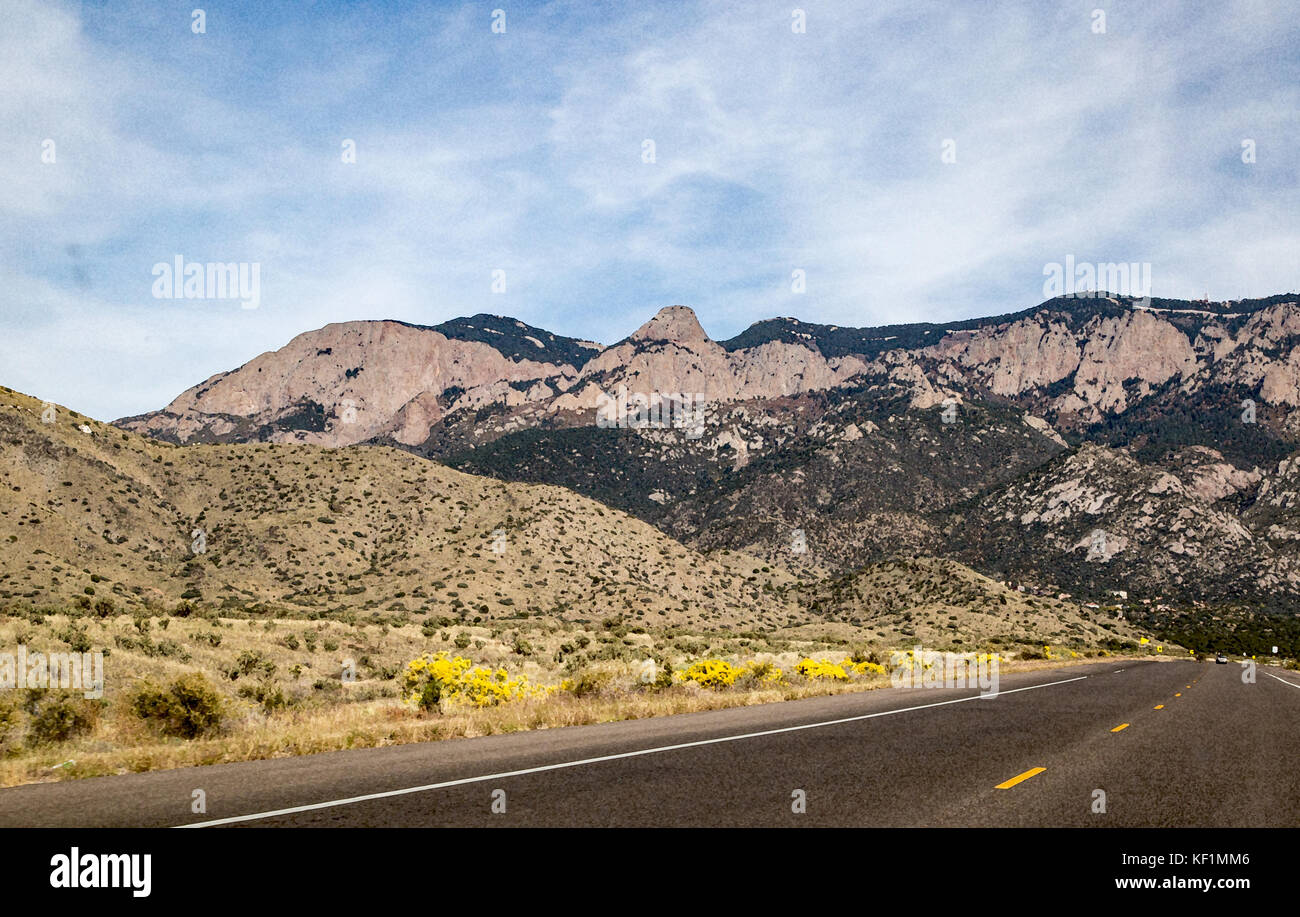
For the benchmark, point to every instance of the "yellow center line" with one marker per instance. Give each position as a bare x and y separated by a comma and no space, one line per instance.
1179,694
1119,727
1032,772
1160,706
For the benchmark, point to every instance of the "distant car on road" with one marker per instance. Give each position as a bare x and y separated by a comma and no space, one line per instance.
1221,659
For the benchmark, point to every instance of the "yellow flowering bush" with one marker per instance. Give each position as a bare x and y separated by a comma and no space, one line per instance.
813,669
711,673
864,668
910,660
765,673
432,679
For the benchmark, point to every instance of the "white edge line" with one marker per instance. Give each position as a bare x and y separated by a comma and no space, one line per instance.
1283,680
627,754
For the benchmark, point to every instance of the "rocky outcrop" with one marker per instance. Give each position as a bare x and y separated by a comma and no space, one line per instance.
345,383
360,381
1109,359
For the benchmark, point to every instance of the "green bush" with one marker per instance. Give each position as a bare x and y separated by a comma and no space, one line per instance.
187,708
268,694
250,661
58,717
10,720
592,681
76,638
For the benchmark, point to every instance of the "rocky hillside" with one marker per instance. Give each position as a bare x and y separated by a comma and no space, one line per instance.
111,522
1100,521
935,602
91,514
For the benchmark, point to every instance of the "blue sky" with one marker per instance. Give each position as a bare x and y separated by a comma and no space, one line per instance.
522,152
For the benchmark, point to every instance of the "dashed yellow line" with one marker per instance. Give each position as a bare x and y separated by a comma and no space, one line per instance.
1179,694
1020,778
1160,706
1119,727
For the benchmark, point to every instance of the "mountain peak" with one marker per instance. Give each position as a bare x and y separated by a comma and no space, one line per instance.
672,323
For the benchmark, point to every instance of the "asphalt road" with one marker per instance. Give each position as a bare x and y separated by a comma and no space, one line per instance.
1173,743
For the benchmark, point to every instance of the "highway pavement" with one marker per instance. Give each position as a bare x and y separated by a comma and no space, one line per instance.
1117,743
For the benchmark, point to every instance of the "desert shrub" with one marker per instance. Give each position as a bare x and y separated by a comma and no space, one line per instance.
462,640
268,694
663,677
76,638
250,662
711,673
126,642
10,721
187,708
860,655
815,669
57,717
168,649
764,673
432,680
586,683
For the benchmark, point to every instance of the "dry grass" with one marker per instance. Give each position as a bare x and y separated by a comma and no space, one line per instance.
369,712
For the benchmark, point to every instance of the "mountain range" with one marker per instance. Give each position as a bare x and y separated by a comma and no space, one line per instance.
1087,445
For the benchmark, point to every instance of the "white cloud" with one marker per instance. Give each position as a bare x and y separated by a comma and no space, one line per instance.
774,151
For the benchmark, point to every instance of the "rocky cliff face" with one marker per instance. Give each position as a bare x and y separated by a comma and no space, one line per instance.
1101,359
1073,362
360,381
1083,368
348,383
